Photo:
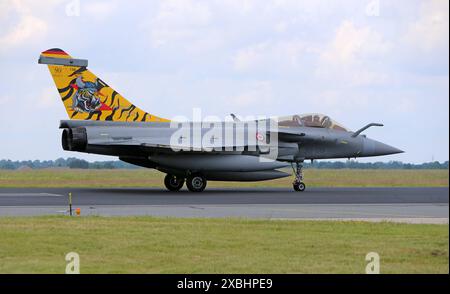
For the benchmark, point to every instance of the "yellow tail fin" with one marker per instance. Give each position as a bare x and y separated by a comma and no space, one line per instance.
85,96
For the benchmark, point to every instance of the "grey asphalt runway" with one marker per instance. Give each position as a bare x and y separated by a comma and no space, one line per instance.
396,204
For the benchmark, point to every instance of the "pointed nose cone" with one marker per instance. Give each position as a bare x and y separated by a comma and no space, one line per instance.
375,148
384,149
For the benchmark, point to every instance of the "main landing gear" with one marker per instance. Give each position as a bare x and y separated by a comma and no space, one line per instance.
298,184
173,183
194,182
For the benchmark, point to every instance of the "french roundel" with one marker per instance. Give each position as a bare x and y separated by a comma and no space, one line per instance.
259,137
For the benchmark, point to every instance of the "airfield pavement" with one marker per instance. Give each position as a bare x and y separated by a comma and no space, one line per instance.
411,205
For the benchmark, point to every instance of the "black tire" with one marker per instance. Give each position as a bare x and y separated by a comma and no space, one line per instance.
173,183
196,183
300,187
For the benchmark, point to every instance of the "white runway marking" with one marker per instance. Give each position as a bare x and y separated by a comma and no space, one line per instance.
29,195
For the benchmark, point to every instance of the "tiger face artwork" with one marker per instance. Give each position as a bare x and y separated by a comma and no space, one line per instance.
86,98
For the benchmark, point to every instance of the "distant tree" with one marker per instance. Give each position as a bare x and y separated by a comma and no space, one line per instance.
7,164
73,162
60,162
78,163
108,165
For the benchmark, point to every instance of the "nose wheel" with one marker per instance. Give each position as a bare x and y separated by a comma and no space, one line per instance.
300,187
298,184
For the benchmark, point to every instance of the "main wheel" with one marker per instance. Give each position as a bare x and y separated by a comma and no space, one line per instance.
196,183
173,183
300,187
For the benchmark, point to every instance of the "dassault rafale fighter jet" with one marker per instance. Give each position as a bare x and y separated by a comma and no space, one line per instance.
103,122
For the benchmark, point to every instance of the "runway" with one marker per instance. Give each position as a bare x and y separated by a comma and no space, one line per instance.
424,205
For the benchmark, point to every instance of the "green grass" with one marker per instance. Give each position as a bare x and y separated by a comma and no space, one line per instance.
152,178
169,245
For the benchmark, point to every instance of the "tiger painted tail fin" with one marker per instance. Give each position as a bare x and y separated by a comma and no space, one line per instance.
87,97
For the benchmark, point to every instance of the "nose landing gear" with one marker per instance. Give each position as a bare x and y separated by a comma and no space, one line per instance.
298,184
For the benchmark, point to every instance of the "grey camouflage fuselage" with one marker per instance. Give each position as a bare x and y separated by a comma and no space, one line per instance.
148,145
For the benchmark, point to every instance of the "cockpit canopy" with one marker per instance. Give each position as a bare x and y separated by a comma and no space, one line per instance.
314,120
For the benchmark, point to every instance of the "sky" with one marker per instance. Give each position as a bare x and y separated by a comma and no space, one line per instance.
357,61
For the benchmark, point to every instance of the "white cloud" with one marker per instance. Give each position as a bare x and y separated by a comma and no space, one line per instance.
341,102
240,6
431,30
25,28
4,100
5,8
272,55
100,10
178,20
347,58
249,57
258,93
282,26
351,43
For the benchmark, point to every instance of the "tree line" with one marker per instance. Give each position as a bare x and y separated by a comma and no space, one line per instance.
73,162
70,162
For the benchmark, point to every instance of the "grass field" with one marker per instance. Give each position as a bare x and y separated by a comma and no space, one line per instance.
152,178
169,245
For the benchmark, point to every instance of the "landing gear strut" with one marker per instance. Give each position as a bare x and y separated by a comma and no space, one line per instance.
298,184
173,183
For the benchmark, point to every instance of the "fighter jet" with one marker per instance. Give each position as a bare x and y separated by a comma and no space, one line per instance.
103,122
